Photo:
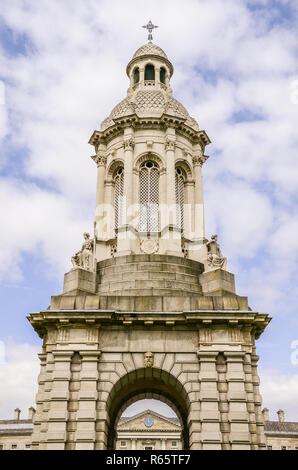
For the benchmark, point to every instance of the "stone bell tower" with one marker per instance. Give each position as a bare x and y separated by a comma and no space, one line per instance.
148,309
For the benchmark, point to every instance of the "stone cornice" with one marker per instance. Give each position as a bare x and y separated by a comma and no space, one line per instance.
195,319
196,137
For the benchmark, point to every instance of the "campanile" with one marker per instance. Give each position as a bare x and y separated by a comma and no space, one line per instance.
149,309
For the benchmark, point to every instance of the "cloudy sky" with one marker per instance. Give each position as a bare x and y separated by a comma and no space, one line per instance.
62,69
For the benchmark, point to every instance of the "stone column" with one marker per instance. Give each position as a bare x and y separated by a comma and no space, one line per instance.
125,233
172,235
163,444
128,165
100,160
59,396
198,160
170,162
133,444
188,215
86,414
209,435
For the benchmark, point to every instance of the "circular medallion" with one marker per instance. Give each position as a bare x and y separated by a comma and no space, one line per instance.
148,421
149,246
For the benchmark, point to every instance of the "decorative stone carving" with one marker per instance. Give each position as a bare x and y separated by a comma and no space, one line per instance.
100,159
199,159
148,360
129,143
149,246
84,258
170,144
215,259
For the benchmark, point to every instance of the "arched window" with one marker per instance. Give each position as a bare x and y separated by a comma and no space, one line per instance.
162,75
179,188
118,196
149,72
136,75
149,197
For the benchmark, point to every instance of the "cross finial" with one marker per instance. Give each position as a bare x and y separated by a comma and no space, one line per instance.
150,28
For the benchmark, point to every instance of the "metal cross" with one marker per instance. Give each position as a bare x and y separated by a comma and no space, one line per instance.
150,28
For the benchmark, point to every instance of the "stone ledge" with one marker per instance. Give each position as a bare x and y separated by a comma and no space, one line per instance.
185,320
146,303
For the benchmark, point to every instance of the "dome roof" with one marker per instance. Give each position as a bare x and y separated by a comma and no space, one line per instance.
150,49
151,103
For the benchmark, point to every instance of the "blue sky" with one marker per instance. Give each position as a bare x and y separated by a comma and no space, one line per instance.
236,71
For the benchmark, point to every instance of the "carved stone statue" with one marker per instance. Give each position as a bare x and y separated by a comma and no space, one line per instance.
84,258
215,259
148,359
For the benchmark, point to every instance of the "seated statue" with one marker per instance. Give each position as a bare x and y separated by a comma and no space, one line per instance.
215,259
84,258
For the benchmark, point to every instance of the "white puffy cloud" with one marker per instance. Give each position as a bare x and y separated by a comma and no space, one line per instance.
279,391
18,378
40,222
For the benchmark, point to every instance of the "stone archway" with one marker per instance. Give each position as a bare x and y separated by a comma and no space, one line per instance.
147,383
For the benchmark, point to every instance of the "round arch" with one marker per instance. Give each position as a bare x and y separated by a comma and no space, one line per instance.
114,165
154,157
147,383
183,164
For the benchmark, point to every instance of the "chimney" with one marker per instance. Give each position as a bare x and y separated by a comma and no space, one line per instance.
31,413
17,413
265,413
281,416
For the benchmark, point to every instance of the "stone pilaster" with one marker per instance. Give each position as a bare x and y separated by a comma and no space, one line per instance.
58,405
40,398
222,386
209,396
258,402
87,396
237,397
73,404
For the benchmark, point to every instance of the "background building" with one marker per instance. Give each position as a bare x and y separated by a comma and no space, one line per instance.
148,430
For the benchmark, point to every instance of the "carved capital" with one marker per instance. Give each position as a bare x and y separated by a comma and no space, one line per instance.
100,159
199,159
129,143
170,144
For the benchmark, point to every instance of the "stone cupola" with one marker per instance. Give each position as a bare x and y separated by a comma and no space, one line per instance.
149,153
